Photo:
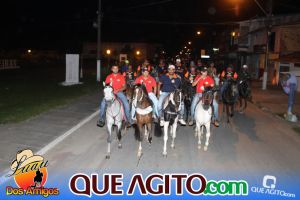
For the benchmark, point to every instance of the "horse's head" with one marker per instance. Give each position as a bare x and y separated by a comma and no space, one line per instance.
108,91
176,99
207,97
139,93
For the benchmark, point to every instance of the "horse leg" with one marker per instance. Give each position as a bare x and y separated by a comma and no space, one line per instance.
119,134
227,113
232,111
245,104
241,104
109,130
140,138
173,131
207,136
149,127
198,133
166,127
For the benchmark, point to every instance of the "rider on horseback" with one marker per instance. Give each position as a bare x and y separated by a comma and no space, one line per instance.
129,75
201,82
145,64
227,76
150,85
119,85
244,75
168,83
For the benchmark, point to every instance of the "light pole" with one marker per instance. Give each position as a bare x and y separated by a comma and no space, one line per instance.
99,42
268,28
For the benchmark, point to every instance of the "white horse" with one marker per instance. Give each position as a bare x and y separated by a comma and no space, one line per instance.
203,114
114,116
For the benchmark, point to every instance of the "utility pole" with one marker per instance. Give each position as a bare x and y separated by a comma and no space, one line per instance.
99,42
268,29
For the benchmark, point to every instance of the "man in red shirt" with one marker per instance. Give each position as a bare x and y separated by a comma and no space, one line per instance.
119,85
201,81
150,85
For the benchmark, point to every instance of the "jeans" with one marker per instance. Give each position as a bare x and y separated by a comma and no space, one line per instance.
216,110
194,104
154,100
121,96
162,96
291,98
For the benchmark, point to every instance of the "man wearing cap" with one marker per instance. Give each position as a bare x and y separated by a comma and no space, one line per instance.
179,68
227,75
145,64
244,74
150,85
119,85
201,81
168,83
129,75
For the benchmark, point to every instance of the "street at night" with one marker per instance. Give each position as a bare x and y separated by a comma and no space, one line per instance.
150,99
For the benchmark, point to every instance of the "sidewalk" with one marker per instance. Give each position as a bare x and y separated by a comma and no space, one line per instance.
38,131
273,100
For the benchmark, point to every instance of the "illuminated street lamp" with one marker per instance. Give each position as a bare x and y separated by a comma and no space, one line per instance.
198,32
233,34
29,51
138,53
185,47
189,42
108,51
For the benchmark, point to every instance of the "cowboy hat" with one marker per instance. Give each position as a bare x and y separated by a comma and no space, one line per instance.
25,157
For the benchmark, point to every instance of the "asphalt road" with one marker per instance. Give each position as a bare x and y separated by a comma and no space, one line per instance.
254,142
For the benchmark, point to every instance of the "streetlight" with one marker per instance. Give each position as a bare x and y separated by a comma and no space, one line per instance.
198,32
29,51
185,47
108,52
138,53
189,42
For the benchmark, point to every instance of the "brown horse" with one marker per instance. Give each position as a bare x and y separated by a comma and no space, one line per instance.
143,113
129,92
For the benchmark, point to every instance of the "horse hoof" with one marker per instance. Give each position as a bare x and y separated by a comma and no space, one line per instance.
205,148
172,146
164,154
150,140
120,146
107,156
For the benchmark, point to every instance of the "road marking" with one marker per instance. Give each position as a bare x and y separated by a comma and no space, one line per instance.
52,144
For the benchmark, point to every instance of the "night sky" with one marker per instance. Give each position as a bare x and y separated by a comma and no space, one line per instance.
58,24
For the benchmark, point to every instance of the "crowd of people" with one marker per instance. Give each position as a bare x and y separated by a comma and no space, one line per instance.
165,77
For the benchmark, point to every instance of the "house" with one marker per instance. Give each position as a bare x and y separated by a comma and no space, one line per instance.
284,45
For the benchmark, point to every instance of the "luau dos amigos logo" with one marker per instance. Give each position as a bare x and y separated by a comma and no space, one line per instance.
30,175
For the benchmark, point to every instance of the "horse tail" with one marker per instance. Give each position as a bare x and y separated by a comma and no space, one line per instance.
157,130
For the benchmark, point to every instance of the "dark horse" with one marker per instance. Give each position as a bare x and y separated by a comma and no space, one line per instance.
229,98
188,91
143,113
129,89
171,108
244,94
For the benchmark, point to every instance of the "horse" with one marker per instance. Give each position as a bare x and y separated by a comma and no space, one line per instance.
114,116
229,98
143,113
244,94
171,108
188,92
203,115
129,91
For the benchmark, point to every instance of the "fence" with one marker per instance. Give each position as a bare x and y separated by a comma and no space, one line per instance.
8,64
